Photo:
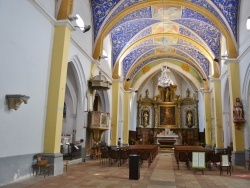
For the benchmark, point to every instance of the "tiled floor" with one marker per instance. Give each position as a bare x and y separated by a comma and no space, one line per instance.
162,173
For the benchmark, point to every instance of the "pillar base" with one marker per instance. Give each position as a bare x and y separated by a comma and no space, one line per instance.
219,150
208,147
247,154
125,144
56,160
114,147
238,158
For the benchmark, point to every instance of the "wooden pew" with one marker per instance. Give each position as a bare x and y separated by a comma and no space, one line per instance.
138,149
179,150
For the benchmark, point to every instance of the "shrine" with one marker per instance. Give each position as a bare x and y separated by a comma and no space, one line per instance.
167,118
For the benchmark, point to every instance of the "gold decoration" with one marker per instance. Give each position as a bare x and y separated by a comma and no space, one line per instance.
185,67
146,68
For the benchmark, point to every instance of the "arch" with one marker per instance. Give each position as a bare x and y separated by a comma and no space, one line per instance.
232,51
215,70
196,67
81,84
72,93
157,68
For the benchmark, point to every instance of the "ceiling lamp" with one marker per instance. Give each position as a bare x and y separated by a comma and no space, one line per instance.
248,23
164,80
80,23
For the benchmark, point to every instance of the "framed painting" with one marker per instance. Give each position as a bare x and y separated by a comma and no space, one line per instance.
167,116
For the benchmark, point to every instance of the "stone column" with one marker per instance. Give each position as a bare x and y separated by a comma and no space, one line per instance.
56,95
218,114
126,117
208,126
238,155
115,111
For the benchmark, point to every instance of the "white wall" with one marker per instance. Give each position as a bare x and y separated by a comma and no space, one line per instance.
244,63
25,51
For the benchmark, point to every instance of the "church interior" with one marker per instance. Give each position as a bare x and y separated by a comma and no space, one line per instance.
123,75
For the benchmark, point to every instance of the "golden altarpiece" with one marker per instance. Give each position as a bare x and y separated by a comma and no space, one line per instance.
167,118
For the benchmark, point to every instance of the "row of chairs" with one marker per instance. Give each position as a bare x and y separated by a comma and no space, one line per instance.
120,156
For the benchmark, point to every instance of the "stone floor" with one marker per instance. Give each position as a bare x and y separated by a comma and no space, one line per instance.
162,173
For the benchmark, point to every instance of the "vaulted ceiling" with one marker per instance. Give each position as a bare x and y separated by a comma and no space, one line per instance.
185,33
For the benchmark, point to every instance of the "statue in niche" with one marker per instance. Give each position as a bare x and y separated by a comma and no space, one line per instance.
167,95
140,97
145,118
238,110
147,93
189,119
187,93
194,97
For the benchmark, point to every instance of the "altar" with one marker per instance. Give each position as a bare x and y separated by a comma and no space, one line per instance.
167,139
167,117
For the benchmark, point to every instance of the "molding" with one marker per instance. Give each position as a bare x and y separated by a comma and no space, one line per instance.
245,52
229,60
84,52
65,23
118,80
44,12
215,79
225,74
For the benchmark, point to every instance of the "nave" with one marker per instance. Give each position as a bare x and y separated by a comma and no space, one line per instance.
162,173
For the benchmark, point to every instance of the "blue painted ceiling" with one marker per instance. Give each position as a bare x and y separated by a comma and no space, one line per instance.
187,26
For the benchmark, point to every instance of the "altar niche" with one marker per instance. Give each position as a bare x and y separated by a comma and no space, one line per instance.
169,112
167,117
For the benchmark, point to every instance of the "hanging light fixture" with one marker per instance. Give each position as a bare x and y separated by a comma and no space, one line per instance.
164,80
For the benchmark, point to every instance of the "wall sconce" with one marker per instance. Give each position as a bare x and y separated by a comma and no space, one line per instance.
84,28
14,101
248,23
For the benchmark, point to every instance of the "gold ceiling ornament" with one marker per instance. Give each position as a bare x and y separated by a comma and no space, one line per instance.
146,68
185,67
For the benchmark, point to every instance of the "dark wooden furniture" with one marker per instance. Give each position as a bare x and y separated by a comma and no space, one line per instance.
42,164
188,150
138,149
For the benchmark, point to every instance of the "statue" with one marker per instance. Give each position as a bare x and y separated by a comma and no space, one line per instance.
155,98
167,95
177,97
140,97
238,109
145,118
187,93
194,97
147,93
189,118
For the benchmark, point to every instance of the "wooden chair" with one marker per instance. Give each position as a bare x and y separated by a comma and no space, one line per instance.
42,163
225,163
114,157
124,155
183,157
104,157
145,156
